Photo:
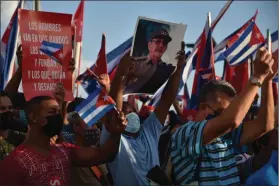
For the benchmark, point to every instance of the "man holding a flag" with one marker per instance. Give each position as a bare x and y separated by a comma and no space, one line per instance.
210,140
31,163
139,142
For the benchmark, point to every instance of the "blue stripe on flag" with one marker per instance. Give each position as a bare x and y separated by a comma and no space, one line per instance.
119,50
88,100
10,51
274,36
100,115
237,43
53,45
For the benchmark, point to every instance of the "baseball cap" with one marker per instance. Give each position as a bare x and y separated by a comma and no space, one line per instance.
162,33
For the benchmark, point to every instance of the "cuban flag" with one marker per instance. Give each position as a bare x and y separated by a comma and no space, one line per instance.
205,63
8,48
234,36
53,50
95,106
274,48
112,58
191,60
244,47
99,68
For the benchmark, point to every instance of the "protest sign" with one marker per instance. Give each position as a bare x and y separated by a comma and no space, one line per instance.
40,72
155,46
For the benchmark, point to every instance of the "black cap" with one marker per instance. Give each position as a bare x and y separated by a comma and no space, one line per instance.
161,34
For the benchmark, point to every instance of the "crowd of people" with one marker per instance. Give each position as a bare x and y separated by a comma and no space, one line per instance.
43,141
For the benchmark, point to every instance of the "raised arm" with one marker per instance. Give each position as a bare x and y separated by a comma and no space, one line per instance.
90,156
265,120
238,108
171,89
13,84
118,83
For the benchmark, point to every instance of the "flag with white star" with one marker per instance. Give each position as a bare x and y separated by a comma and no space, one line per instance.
53,50
95,106
244,47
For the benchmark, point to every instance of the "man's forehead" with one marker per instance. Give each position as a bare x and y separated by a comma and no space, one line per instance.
5,100
49,104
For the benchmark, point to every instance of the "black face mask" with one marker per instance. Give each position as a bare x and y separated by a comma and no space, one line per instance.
214,115
54,125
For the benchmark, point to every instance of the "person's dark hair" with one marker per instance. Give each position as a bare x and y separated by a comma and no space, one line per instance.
262,141
72,106
18,100
34,104
174,119
128,105
4,94
209,90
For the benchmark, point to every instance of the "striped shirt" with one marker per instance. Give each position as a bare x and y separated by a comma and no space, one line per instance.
217,164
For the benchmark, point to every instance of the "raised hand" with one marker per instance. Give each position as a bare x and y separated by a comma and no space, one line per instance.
116,122
262,64
181,56
274,68
59,93
125,64
104,81
19,56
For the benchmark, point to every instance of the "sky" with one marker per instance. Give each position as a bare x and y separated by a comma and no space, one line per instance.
117,19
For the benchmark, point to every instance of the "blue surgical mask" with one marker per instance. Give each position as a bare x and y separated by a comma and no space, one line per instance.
133,125
22,116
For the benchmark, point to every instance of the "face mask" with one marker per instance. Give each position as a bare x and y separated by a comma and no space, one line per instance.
133,123
211,116
54,125
10,120
22,117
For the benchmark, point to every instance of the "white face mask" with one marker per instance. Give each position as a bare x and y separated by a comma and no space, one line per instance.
133,123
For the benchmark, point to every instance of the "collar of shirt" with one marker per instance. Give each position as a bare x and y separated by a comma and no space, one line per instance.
159,63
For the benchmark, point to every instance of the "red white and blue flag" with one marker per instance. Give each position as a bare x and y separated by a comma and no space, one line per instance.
53,50
244,47
234,36
192,58
95,106
99,68
205,63
274,48
113,59
8,48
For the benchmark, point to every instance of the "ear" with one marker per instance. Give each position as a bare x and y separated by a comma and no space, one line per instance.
202,106
149,45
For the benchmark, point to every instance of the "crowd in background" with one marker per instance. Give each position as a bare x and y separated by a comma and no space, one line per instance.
229,141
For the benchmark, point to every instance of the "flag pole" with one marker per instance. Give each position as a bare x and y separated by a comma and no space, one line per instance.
269,44
12,65
77,46
37,5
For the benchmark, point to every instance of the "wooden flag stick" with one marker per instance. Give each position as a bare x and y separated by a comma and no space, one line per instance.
268,36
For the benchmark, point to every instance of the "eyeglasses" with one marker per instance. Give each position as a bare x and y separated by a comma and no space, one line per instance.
2,108
217,112
158,41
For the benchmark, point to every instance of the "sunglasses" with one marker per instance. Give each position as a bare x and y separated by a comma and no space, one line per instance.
6,108
217,112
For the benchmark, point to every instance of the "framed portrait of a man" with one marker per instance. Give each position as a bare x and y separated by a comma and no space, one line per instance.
154,48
